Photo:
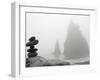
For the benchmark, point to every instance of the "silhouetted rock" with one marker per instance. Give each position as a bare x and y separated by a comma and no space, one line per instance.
32,50
32,38
32,43
32,54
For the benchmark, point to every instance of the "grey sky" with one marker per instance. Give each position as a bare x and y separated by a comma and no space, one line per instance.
48,28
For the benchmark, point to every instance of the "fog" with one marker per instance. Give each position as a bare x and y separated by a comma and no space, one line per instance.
52,30
75,46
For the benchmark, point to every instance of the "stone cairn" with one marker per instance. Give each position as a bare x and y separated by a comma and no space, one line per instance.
32,51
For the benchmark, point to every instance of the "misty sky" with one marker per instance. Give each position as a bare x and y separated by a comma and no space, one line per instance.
49,28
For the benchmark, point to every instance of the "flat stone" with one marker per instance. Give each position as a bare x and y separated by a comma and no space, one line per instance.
32,54
32,50
32,43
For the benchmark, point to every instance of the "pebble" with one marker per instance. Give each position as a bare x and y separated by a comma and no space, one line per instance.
32,38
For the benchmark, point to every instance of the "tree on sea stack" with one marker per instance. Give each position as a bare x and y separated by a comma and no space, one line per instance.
32,51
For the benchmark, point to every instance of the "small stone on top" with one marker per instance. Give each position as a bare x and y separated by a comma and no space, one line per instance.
32,38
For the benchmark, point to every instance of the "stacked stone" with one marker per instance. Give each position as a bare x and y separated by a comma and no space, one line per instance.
32,51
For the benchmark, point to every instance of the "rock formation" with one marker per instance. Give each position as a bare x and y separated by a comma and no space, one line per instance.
57,52
75,45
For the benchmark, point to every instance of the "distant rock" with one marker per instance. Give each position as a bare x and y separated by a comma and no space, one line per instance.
76,45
